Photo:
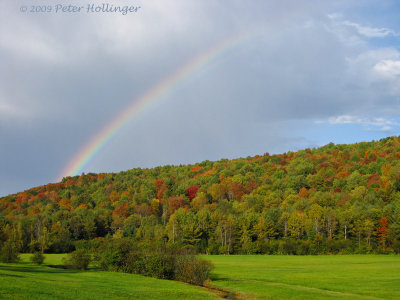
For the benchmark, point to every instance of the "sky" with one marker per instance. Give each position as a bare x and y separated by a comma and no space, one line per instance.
289,75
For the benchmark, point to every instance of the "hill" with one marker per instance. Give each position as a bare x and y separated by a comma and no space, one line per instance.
333,199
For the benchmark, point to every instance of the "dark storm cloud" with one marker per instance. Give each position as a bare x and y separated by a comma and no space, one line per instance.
63,77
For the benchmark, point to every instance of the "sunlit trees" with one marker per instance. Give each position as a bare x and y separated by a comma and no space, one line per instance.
333,199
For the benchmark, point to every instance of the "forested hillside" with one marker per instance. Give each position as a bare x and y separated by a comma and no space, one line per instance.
334,199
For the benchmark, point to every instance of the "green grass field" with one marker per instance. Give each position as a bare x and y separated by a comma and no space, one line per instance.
27,281
309,277
250,277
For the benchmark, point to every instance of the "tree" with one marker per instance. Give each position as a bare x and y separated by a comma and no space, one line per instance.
368,230
345,221
79,259
284,218
382,231
315,214
11,247
245,240
44,240
297,223
191,231
191,191
359,229
173,228
330,219
264,229
161,188
224,231
175,202
37,258
200,201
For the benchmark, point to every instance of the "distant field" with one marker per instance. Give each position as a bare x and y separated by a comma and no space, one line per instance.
27,281
309,277
249,276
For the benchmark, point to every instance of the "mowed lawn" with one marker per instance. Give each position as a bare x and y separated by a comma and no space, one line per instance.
28,281
308,277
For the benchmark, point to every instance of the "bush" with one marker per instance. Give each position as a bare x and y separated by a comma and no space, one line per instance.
289,247
396,247
37,258
79,259
193,270
303,247
162,262
116,255
159,265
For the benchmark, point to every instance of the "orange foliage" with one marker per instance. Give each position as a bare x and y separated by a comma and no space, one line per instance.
36,210
370,156
304,192
342,174
69,182
175,202
207,173
83,205
382,230
237,190
251,185
195,168
114,196
122,210
374,179
65,203
21,199
161,188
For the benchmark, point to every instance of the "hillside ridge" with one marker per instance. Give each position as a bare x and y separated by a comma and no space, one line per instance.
332,199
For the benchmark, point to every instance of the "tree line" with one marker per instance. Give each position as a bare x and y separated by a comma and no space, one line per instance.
332,199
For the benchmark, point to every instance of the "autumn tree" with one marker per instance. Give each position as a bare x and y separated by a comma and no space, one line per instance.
382,231
161,188
175,202
191,191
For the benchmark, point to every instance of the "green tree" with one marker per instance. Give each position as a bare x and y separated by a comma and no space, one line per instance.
12,245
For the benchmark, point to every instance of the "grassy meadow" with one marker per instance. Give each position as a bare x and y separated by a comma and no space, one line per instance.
28,281
247,276
309,277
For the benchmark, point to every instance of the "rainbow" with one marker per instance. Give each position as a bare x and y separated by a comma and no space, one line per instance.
155,94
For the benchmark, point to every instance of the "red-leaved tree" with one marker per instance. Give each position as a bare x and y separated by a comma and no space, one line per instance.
383,231
191,192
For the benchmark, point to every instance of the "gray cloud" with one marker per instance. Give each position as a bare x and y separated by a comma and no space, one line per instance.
64,77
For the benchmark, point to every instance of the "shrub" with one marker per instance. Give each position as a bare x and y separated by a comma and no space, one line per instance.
116,255
192,270
37,258
79,259
396,247
289,247
159,265
173,263
303,247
